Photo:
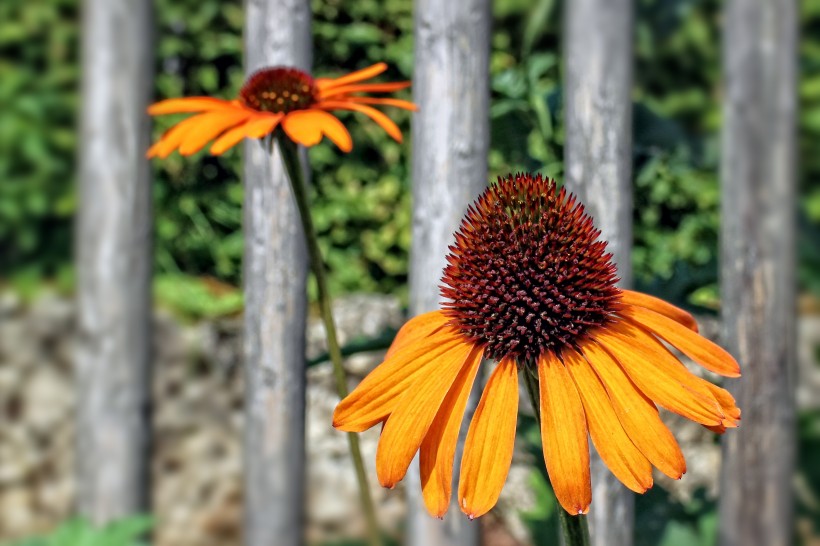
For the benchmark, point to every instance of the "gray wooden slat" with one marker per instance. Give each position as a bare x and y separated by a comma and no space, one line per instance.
450,145
758,268
598,165
277,32
113,261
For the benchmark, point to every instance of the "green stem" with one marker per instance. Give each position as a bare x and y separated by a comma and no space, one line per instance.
574,529
290,156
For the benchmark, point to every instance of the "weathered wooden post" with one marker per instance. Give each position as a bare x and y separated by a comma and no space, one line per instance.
758,267
598,165
113,260
450,145
277,32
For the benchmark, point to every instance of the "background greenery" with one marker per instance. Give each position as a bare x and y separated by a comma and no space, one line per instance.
362,199
78,532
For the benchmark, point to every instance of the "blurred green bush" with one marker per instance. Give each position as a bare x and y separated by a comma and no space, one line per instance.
78,532
362,199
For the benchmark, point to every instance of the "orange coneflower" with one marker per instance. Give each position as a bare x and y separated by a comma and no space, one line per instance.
529,286
274,97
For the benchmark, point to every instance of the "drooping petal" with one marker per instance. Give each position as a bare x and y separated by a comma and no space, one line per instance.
488,449
342,90
659,374
380,118
378,393
172,138
306,127
258,127
409,422
637,414
416,328
717,429
727,402
564,436
187,105
303,128
709,355
437,453
611,441
397,103
335,130
354,77
677,314
211,125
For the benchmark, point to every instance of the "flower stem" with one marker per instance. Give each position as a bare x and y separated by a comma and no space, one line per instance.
574,529
290,158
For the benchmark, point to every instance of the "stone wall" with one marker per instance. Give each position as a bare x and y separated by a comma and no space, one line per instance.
198,418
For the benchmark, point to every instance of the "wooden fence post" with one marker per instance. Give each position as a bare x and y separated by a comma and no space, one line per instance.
758,268
113,260
277,32
598,166
450,146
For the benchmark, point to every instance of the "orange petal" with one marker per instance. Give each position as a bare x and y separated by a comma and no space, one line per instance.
637,414
378,394
409,422
187,104
398,103
488,449
709,355
611,441
172,138
306,127
677,314
659,374
362,88
382,120
717,429
564,436
211,125
437,453
417,328
258,127
354,77
725,399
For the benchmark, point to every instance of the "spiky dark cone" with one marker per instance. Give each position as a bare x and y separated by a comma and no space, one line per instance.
278,90
527,273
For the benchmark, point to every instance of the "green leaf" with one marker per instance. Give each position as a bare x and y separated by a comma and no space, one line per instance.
536,24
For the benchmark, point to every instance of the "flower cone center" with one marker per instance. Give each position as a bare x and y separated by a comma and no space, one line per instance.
278,90
527,273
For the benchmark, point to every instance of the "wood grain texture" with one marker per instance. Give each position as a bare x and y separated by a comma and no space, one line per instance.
450,145
598,163
113,260
277,32
758,268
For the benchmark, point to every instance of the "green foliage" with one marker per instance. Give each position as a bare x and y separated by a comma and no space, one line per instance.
808,477
362,199
78,532
197,297
38,79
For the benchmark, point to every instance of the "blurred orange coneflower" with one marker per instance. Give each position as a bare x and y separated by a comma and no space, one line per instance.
273,97
530,286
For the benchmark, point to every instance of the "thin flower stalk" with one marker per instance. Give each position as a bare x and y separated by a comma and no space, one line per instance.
290,157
